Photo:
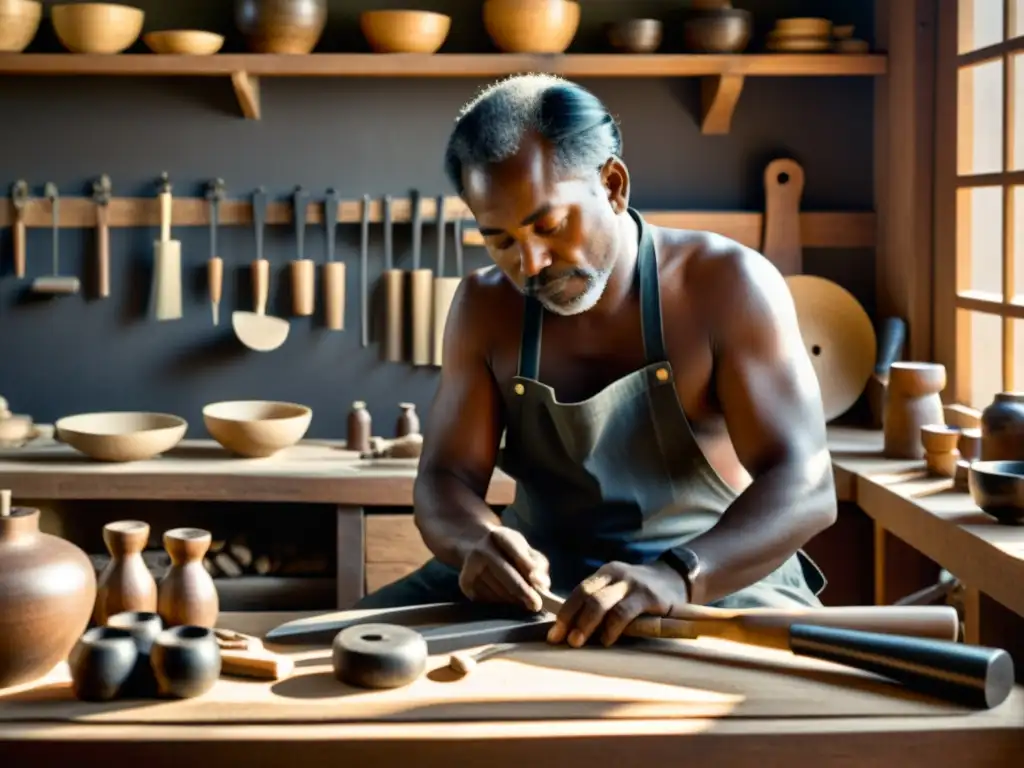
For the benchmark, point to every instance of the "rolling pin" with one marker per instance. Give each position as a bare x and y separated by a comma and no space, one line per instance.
392,291
884,640
421,283
334,271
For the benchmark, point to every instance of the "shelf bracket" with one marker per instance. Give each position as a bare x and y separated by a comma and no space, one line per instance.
719,95
247,91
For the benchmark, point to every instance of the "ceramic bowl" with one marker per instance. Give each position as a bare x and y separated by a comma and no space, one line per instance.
998,488
257,428
121,435
636,35
722,31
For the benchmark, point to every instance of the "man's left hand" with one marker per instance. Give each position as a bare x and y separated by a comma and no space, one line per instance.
615,595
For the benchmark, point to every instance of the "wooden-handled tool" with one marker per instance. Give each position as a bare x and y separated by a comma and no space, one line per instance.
256,329
782,244
364,277
55,284
393,292
334,271
422,289
19,199
892,334
244,656
167,268
303,286
444,287
910,645
215,264
101,193
464,662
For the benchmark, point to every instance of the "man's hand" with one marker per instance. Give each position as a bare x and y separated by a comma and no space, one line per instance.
615,595
502,567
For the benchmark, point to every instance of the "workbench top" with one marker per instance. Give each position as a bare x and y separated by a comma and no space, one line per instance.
314,471
732,704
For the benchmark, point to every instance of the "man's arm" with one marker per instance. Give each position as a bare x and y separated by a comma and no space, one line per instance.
463,428
772,405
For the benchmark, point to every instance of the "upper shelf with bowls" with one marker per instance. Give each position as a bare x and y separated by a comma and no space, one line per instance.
532,35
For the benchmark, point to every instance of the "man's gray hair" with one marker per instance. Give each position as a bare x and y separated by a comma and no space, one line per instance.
491,127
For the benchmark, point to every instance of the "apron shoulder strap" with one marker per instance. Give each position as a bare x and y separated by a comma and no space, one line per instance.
529,346
650,293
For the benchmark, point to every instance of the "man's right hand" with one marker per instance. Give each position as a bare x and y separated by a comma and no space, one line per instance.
502,567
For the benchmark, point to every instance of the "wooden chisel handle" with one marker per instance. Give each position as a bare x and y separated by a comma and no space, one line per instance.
103,250
19,245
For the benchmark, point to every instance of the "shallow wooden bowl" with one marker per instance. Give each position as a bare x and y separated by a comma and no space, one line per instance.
19,22
723,31
186,42
940,438
531,26
998,488
97,27
256,428
636,35
121,435
405,31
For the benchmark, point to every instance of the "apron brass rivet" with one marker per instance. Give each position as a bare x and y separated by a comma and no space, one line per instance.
520,389
662,374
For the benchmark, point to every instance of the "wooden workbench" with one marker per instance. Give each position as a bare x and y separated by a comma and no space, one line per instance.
313,472
663,703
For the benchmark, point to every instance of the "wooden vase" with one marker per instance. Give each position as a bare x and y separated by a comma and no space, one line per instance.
281,26
126,583
912,401
47,592
187,594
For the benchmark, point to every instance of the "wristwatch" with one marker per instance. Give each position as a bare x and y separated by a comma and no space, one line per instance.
685,562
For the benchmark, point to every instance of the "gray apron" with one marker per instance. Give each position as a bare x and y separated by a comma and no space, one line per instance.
616,477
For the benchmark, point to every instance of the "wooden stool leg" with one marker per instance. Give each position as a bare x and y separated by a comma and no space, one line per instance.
350,546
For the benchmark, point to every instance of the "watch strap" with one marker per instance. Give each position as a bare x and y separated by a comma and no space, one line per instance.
686,563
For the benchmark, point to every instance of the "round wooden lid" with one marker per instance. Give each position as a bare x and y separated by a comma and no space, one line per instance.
839,337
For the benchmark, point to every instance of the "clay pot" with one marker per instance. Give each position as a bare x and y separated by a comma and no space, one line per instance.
912,401
102,664
187,594
1002,428
126,583
47,591
185,661
408,422
144,627
281,26
359,428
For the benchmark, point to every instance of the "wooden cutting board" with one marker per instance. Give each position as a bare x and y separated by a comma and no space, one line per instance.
664,679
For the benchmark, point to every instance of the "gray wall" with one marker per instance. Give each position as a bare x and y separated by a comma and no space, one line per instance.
373,136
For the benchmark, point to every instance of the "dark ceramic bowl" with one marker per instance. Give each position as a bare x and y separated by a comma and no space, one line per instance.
144,627
635,35
102,663
723,31
185,661
998,488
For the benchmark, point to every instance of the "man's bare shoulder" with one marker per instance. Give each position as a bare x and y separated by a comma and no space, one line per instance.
722,273
485,303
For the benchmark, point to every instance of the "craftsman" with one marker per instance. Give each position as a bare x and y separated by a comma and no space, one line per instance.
667,438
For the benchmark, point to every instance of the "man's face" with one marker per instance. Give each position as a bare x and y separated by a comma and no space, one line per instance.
552,237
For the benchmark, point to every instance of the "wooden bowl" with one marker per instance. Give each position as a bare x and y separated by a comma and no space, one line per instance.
723,31
186,42
97,27
636,35
121,435
19,22
531,26
405,31
998,488
939,438
256,428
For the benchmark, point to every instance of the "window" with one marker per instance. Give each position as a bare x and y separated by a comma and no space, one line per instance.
979,271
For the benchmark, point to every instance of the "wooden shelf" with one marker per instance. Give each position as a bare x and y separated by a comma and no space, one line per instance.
824,229
723,75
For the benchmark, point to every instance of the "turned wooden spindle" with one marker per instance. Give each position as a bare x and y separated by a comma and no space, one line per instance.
940,448
187,594
125,583
912,401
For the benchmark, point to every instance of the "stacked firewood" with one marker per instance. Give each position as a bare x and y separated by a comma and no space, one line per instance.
236,557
